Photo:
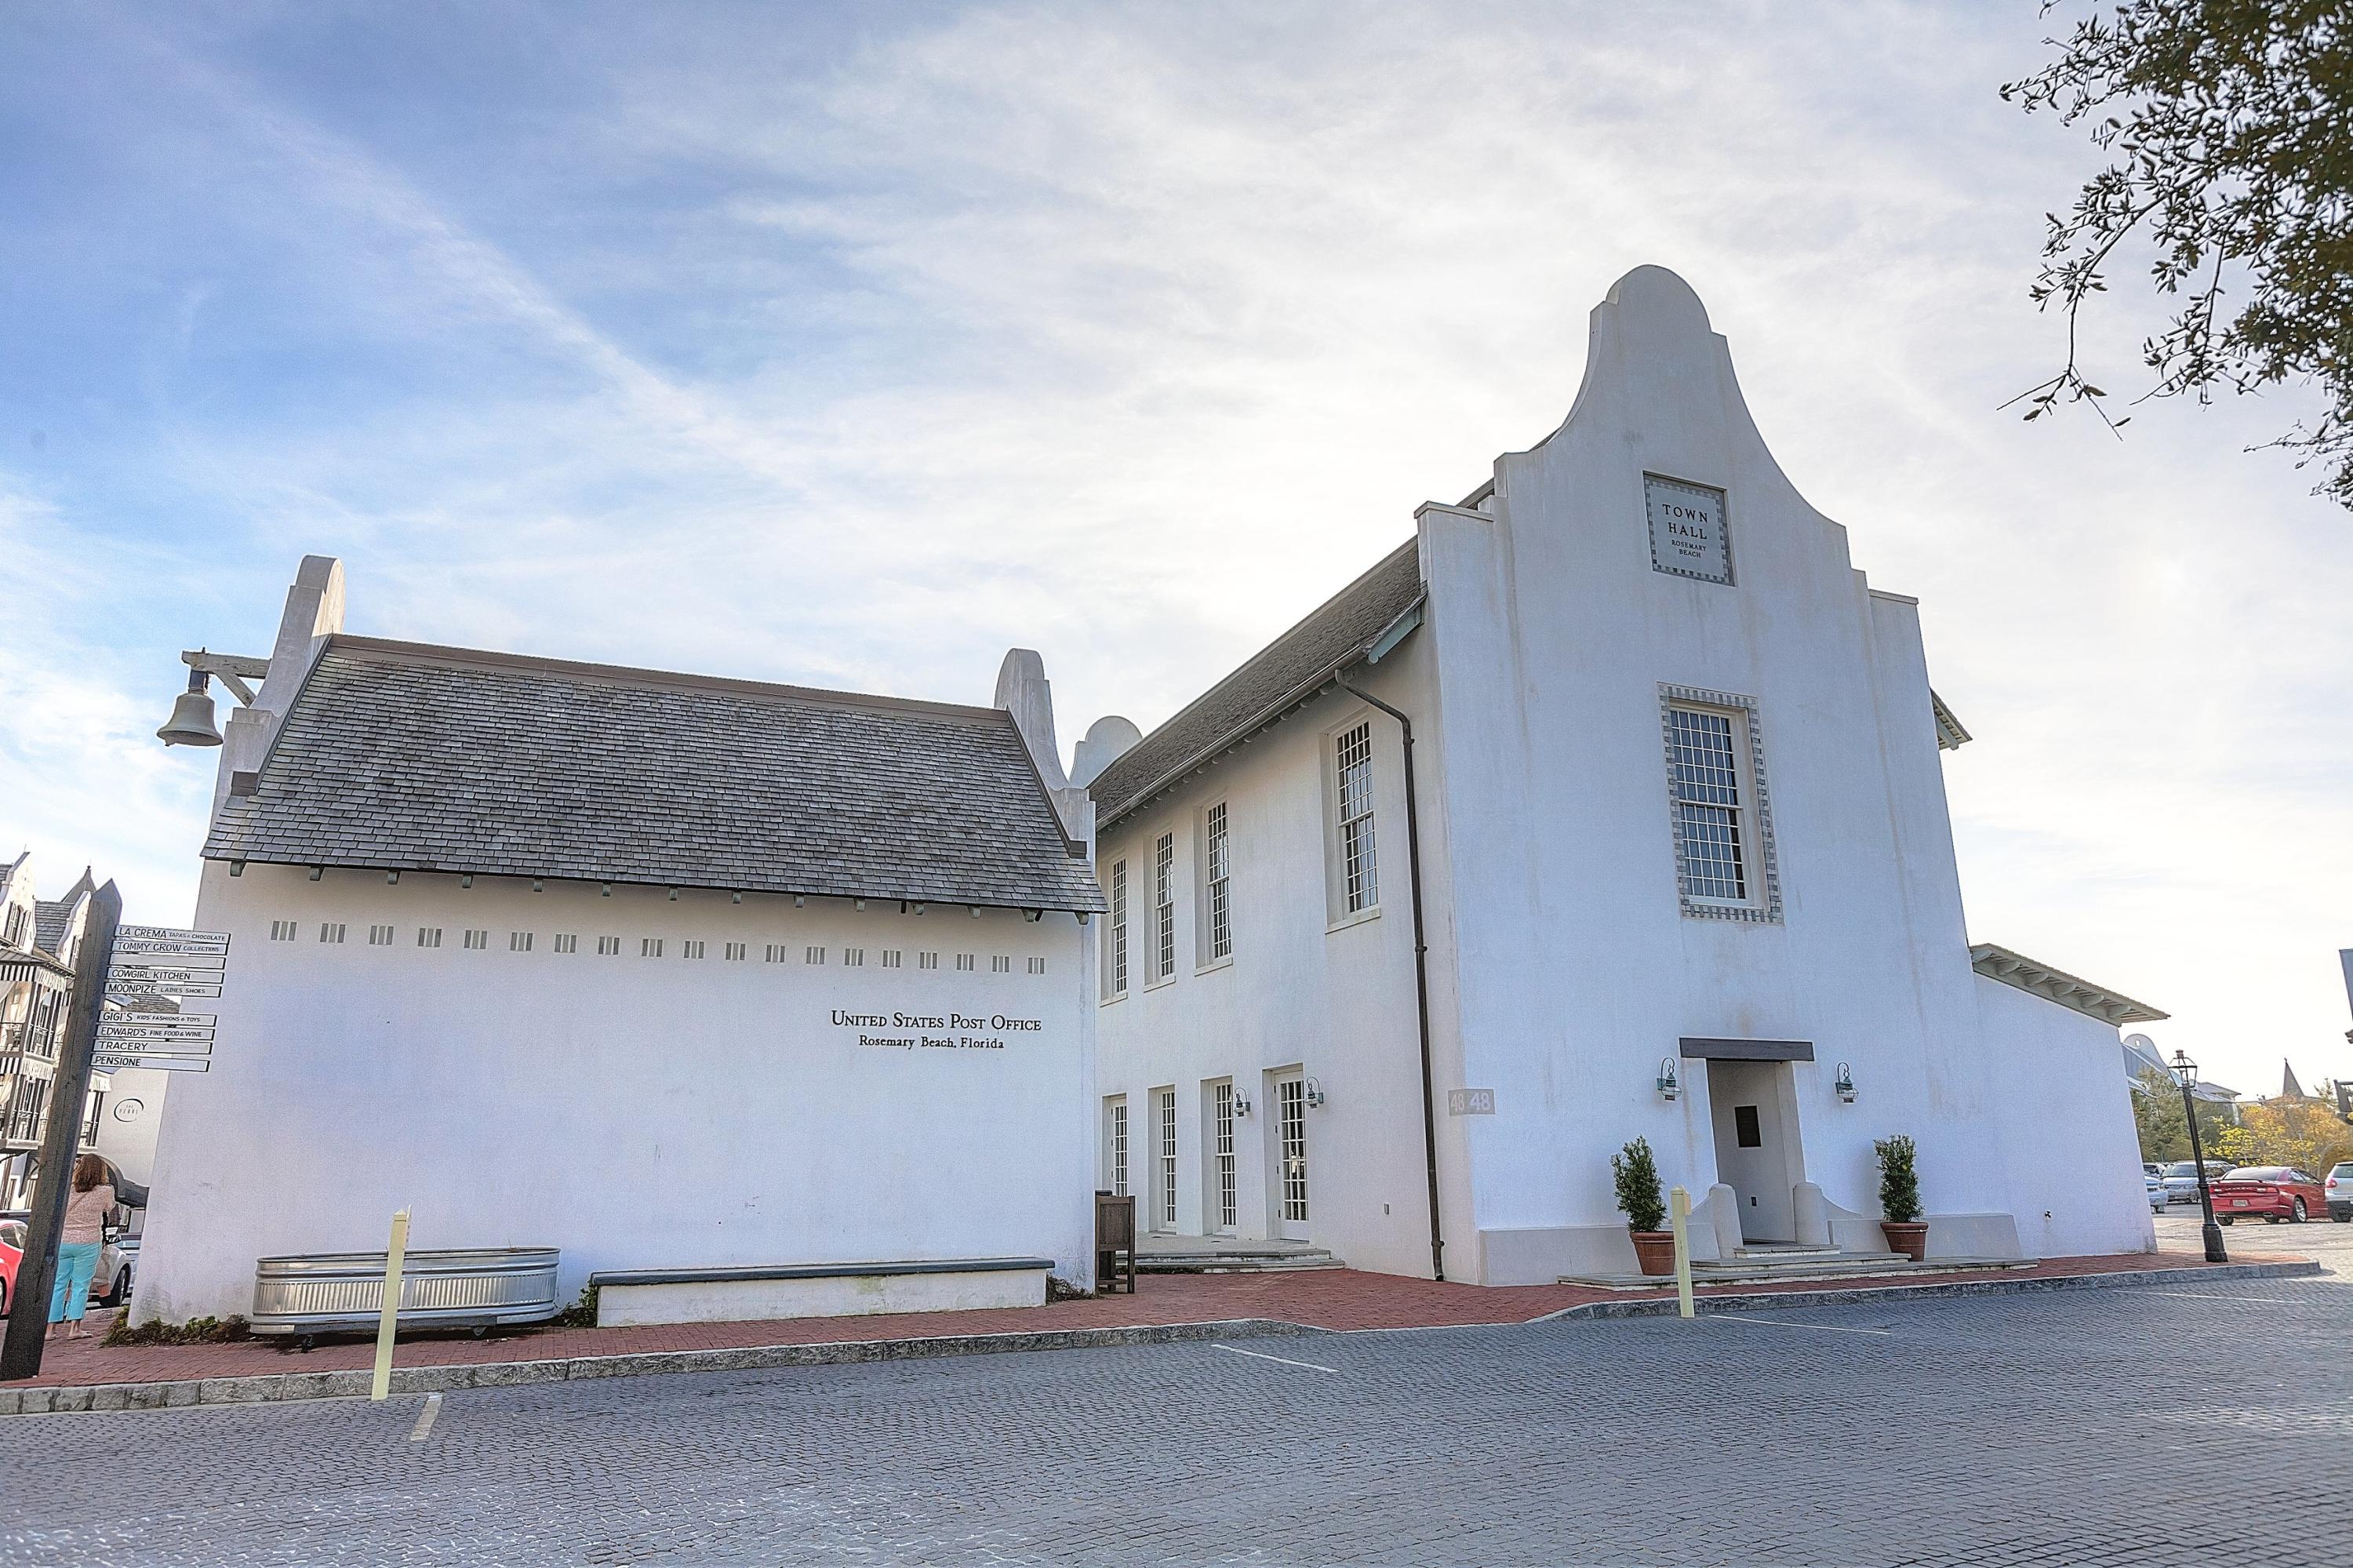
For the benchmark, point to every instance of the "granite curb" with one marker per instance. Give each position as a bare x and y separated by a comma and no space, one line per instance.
1765,1300
278,1387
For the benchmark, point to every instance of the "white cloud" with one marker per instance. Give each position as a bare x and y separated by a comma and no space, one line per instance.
1131,334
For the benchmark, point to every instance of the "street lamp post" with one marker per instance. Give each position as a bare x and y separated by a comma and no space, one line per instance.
2185,1073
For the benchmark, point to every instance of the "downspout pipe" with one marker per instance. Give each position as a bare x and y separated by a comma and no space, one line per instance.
1420,974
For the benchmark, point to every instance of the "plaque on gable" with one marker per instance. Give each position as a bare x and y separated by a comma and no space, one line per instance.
1688,537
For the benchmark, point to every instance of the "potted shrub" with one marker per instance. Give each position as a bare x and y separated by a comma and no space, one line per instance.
1899,1197
1637,1176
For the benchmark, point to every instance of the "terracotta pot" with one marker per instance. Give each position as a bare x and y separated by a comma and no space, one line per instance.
1654,1250
1909,1237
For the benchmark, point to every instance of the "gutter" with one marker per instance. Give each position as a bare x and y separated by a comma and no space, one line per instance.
1421,968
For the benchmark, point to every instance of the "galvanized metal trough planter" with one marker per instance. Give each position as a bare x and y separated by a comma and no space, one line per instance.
342,1292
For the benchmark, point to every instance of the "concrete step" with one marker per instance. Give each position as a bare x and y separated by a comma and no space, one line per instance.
1846,1265
1745,1262
1767,1252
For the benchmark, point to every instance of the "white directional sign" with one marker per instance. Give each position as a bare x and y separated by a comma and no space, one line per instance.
145,948
125,1036
144,974
135,988
166,934
174,1045
112,1063
167,961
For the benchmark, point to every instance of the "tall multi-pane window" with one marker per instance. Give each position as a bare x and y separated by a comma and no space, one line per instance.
1359,881
1165,1108
1711,837
1217,882
1115,934
1115,1142
1164,906
1222,1196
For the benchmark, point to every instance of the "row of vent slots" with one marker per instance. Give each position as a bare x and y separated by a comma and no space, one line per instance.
333,931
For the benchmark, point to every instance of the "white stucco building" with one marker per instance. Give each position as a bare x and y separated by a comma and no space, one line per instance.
670,971
1673,809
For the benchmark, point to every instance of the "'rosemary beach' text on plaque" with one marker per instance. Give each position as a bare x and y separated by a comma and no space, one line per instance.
1687,529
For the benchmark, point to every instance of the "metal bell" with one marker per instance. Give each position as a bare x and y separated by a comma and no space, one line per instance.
192,716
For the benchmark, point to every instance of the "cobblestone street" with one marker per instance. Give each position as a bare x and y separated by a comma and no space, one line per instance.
2056,1427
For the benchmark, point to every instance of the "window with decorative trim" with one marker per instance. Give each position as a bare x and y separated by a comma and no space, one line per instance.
1725,867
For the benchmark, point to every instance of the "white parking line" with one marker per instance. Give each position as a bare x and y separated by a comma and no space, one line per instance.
424,1418
2204,1296
1262,1355
1825,1328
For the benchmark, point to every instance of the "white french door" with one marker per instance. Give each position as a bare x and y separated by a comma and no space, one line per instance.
1290,1157
1164,1150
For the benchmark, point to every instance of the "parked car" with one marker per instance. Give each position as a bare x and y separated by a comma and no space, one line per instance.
110,1284
2151,1168
2274,1192
2157,1196
2338,1190
2181,1179
12,1252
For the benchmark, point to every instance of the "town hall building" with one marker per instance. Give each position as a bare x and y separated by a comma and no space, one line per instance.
1608,805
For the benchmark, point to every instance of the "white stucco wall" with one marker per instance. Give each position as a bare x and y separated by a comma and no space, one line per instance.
1335,998
2067,1129
635,1112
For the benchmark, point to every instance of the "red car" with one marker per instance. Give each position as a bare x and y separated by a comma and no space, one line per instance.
2275,1191
12,1252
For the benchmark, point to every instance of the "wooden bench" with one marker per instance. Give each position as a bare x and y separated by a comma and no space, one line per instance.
742,1293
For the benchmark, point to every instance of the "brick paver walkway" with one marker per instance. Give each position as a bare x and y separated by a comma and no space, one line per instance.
1323,1299
2085,1427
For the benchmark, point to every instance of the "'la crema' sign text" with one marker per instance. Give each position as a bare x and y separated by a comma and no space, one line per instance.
1687,529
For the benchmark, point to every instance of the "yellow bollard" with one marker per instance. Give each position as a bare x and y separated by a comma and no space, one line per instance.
1679,1209
393,1256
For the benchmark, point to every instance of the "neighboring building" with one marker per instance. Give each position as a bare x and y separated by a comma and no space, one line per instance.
666,970
39,940
1675,823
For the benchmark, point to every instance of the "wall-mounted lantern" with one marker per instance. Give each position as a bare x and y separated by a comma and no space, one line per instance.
1242,1105
1845,1084
1313,1092
1671,1088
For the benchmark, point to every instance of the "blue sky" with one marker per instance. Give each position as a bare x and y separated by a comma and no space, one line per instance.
851,345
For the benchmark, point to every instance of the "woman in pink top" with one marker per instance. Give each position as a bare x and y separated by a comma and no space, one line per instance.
79,1244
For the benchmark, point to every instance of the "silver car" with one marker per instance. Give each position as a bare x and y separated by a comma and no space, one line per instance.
2181,1178
2157,1196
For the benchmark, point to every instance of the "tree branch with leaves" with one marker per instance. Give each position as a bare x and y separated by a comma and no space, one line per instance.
2229,127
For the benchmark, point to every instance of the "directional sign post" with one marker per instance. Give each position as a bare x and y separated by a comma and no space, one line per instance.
154,967
20,1353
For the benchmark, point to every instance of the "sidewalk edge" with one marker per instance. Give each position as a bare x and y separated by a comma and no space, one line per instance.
1765,1300
280,1387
